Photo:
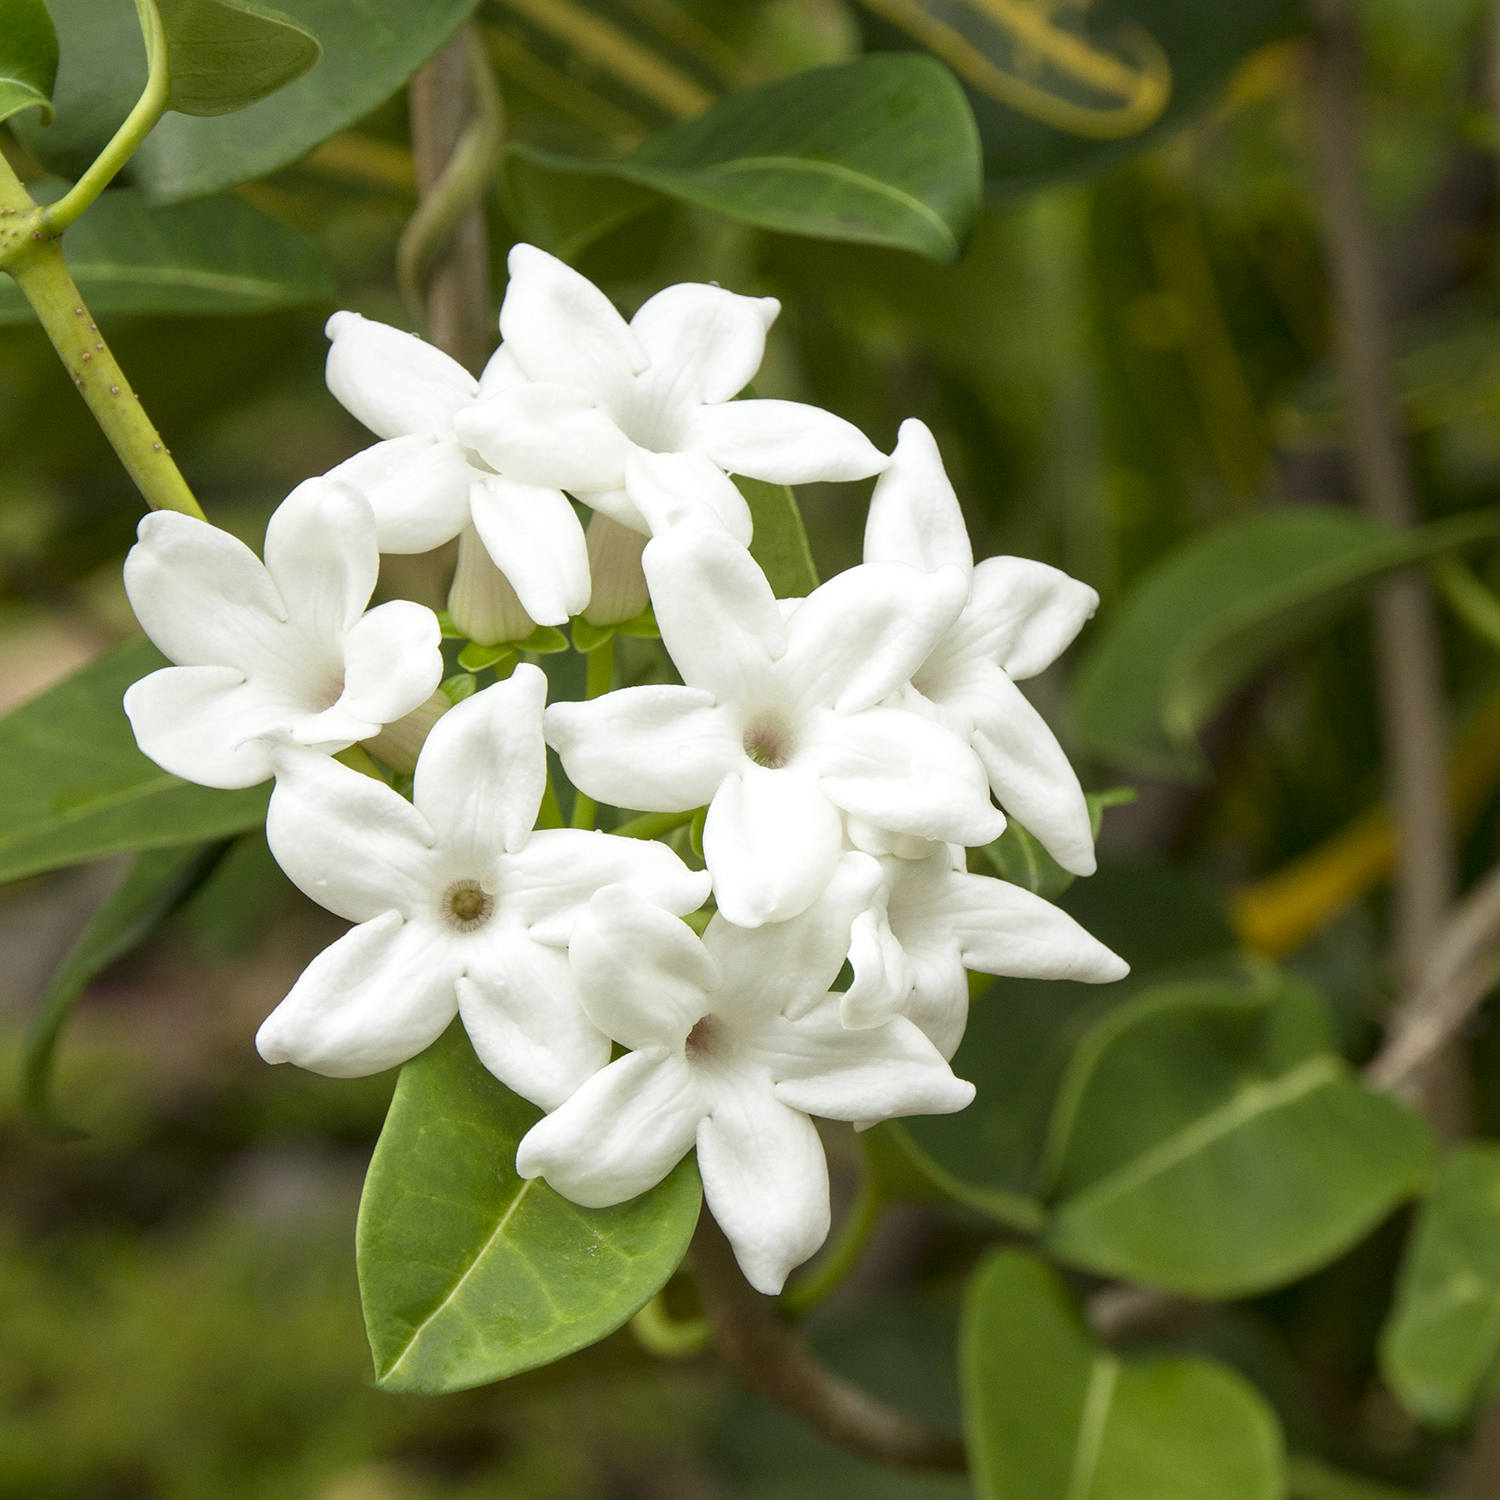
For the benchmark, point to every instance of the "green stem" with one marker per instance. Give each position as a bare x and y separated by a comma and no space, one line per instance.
853,1238
1468,597
601,672
653,825
550,815
149,108
661,1334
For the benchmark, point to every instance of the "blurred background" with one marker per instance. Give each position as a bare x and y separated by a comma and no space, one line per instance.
1134,350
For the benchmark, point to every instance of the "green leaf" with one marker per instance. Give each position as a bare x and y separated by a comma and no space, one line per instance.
156,883
1203,622
1205,1139
878,151
1443,1336
77,788
779,542
222,57
1050,1414
468,1274
220,256
1018,857
567,211
28,58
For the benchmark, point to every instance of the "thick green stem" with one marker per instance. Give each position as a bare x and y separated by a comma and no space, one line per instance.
653,825
601,671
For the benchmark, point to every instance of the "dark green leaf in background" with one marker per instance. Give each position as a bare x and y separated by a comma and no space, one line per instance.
77,788
1016,855
222,57
220,256
28,58
1221,607
879,151
469,1274
779,543
1206,1139
1050,1414
1443,1336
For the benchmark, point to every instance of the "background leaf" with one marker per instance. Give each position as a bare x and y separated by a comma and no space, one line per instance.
220,256
1018,857
1443,1335
1052,1415
78,788
223,57
467,1273
779,542
28,58
879,151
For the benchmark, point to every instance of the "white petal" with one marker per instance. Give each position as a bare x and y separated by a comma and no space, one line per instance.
617,583
534,537
938,1005
481,601
864,632
676,489
765,1181
1023,615
483,770
717,615
621,1133
904,773
553,435
393,661
1030,774
560,327
199,723
393,382
418,487
883,978
642,974
874,1074
500,373
321,555
552,879
378,996
616,504
870,838
348,841
203,597
657,749
705,344
522,1014
771,843
914,515
782,442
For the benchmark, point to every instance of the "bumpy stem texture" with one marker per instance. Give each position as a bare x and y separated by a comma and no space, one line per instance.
775,1362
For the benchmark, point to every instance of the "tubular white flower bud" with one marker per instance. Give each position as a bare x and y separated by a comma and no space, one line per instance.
481,601
399,744
615,566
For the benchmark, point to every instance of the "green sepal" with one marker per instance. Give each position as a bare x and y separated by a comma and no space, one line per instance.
588,637
450,631
475,658
545,640
644,625
458,687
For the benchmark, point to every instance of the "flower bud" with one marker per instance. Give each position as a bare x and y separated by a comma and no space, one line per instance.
481,602
615,567
399,743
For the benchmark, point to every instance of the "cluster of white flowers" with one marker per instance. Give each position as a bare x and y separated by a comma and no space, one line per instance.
847,747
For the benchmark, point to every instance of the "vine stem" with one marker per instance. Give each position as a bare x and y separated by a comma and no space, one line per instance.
844,1254
774,1361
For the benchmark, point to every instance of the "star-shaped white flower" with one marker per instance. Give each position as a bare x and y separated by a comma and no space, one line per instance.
931,920
780,728
427,487
1020,616
461,907
597,389
734,1042
283,646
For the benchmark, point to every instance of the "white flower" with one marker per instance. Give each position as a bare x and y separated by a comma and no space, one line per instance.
426,487
735,1042
1020,617
780,726
461,907
598,389
283,646
930,921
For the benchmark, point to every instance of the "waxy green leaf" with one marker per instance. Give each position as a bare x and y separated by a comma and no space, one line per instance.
1202,623
779,543
878,151
1440,1346
468,1273
77,788
1207,1140
1017,855
223,57
220,256
28,58
1050,1414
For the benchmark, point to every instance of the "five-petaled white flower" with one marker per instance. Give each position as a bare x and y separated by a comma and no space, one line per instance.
597,389
281,647
734,1042
780,728
1020,616
461,907
931,920
426,487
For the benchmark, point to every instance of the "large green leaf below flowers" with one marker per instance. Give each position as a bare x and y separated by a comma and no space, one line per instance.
28,58
468,1273
77,788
